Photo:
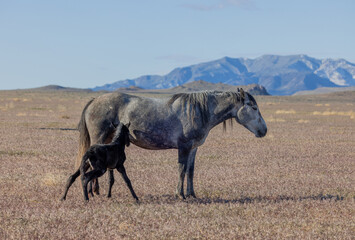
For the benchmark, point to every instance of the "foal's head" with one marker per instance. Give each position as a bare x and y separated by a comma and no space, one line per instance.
122,134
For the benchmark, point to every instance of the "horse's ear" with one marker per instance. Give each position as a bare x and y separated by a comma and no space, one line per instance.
128,124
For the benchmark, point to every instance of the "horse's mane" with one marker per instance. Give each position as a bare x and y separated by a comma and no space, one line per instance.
199,102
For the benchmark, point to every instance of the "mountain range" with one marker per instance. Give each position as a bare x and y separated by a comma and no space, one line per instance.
280,75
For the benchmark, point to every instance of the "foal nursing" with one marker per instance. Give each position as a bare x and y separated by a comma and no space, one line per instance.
101,157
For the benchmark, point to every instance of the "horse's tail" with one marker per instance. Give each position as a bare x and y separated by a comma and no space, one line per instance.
84,137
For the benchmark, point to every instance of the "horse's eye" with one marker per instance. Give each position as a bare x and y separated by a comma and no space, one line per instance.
252,106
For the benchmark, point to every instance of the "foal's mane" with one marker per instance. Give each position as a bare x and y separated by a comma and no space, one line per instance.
199,102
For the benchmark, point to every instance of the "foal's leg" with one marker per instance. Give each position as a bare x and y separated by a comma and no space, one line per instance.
70,181
82,169
122,170
96,187
105,137
183,157
111,182
87,177
90,188
190,174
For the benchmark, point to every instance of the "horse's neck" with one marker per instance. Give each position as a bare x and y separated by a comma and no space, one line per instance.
224,109
118,139
116,147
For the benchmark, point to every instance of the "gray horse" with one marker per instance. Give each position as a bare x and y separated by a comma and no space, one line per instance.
181,122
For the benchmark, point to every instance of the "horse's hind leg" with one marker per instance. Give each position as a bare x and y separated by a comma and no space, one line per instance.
111,182
70,181
83,168
87,177
96,187
90,188
121,169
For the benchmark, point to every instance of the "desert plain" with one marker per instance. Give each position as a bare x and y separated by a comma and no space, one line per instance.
298,182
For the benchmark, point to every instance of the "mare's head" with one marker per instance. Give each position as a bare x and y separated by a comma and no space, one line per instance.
122,134
249,115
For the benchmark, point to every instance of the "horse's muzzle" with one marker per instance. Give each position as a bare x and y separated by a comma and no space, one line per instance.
261,133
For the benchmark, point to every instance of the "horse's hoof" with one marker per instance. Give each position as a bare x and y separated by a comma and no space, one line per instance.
180,196
62,199
97,191
191,196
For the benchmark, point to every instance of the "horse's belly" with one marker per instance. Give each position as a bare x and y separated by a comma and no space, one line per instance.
153,146
152,141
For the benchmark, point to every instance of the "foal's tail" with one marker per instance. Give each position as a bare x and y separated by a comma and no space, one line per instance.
84,137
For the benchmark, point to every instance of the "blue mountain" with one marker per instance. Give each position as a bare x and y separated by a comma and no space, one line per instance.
280,75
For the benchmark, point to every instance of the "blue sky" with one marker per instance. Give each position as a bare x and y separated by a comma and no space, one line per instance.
88,43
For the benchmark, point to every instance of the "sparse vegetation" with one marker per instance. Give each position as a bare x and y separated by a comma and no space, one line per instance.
285,111
298,182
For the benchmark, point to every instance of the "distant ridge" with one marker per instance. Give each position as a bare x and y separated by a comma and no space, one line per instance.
197,86
58,88
325,90
280,75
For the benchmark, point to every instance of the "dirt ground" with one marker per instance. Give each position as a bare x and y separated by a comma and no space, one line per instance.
298,182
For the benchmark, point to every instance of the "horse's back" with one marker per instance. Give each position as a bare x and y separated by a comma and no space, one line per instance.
153,123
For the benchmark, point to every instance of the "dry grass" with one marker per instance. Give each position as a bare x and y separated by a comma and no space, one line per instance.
350,113
286,111
298,182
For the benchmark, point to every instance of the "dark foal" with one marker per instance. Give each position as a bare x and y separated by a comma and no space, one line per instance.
101,157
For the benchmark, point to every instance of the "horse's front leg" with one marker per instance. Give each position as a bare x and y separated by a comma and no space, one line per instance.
183,158
121,169
190,173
